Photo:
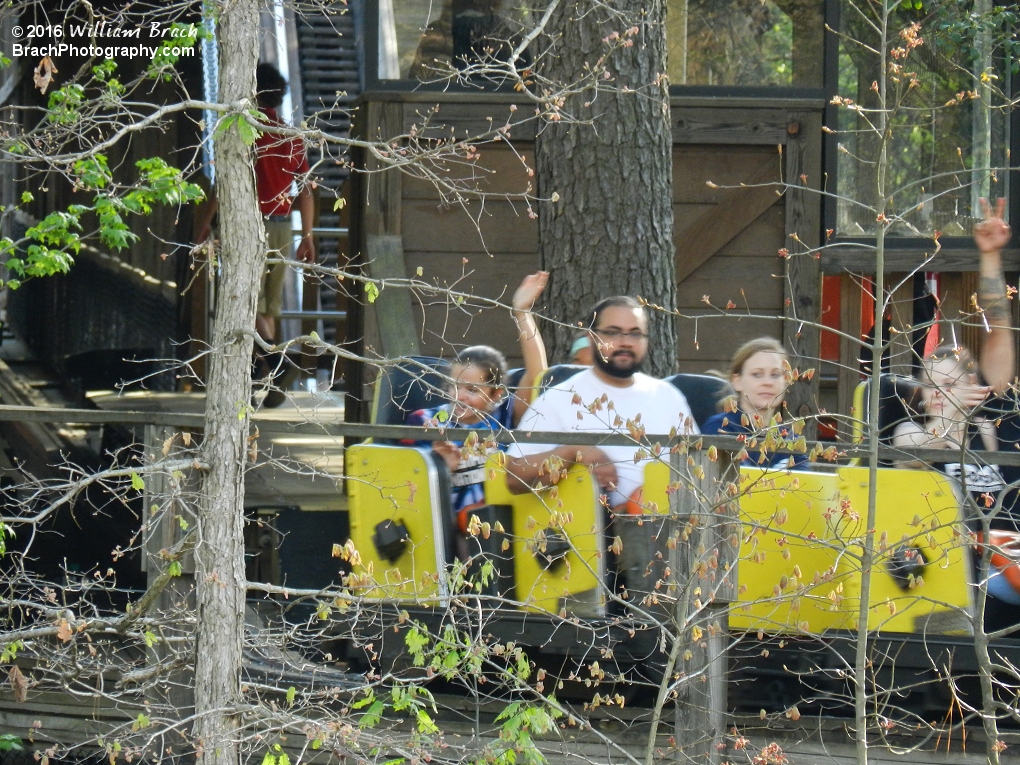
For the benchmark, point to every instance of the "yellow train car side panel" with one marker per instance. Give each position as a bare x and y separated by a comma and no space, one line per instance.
918,515
787,560
572,509
787,571
655,496
399,484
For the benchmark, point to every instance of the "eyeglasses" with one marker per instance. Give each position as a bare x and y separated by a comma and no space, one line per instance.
618,334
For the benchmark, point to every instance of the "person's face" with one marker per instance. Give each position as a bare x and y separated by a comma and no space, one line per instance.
943,376
583,356
472,394
620,341
762,382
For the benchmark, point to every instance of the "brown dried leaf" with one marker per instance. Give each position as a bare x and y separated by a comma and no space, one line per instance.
19,683
44,74
64,631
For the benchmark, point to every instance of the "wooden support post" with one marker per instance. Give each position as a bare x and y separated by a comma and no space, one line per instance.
703,561
971,332
398,331
803,292
394,326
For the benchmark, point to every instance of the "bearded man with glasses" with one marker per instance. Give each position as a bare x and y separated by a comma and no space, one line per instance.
606,398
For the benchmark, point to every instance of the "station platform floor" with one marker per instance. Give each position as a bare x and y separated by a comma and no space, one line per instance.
299,470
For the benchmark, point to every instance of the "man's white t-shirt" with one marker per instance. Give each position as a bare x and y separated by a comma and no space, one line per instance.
661,408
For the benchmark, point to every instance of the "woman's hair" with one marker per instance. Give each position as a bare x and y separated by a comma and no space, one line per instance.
751,347
956,353
486,358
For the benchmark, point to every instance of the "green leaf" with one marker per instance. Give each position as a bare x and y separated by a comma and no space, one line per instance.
137,482
372,716
141,722
291,695
174,569
369,698
177,38
150,638
416,641
103,70
371,291
10,652
425,723
248,132
276,756
160,183
93,172
182,522
64,104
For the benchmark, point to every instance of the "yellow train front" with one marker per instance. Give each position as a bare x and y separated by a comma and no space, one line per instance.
551,577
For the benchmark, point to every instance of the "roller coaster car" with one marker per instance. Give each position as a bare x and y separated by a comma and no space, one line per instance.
800,533
900,400
400,498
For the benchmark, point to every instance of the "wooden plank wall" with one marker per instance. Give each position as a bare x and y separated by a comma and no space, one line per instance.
481,248
485,248
746,271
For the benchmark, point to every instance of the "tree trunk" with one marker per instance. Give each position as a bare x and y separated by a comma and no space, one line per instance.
611,232
219,554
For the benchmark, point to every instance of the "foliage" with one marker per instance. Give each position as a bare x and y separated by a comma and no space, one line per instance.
958,27
49,246
945,71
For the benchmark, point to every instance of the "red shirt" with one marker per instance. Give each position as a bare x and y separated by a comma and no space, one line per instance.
278,161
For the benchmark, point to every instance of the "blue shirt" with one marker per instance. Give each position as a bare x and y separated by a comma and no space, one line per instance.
730,424
467,480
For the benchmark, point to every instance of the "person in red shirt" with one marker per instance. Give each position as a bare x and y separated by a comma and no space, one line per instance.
280,162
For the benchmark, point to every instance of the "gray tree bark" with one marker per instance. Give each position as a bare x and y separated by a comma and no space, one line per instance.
219,553
611,232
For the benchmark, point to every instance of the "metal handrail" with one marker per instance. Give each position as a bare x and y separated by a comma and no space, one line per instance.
324,315
301,425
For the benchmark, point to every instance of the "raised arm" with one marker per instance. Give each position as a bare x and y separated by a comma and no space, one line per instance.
998,353
532,347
